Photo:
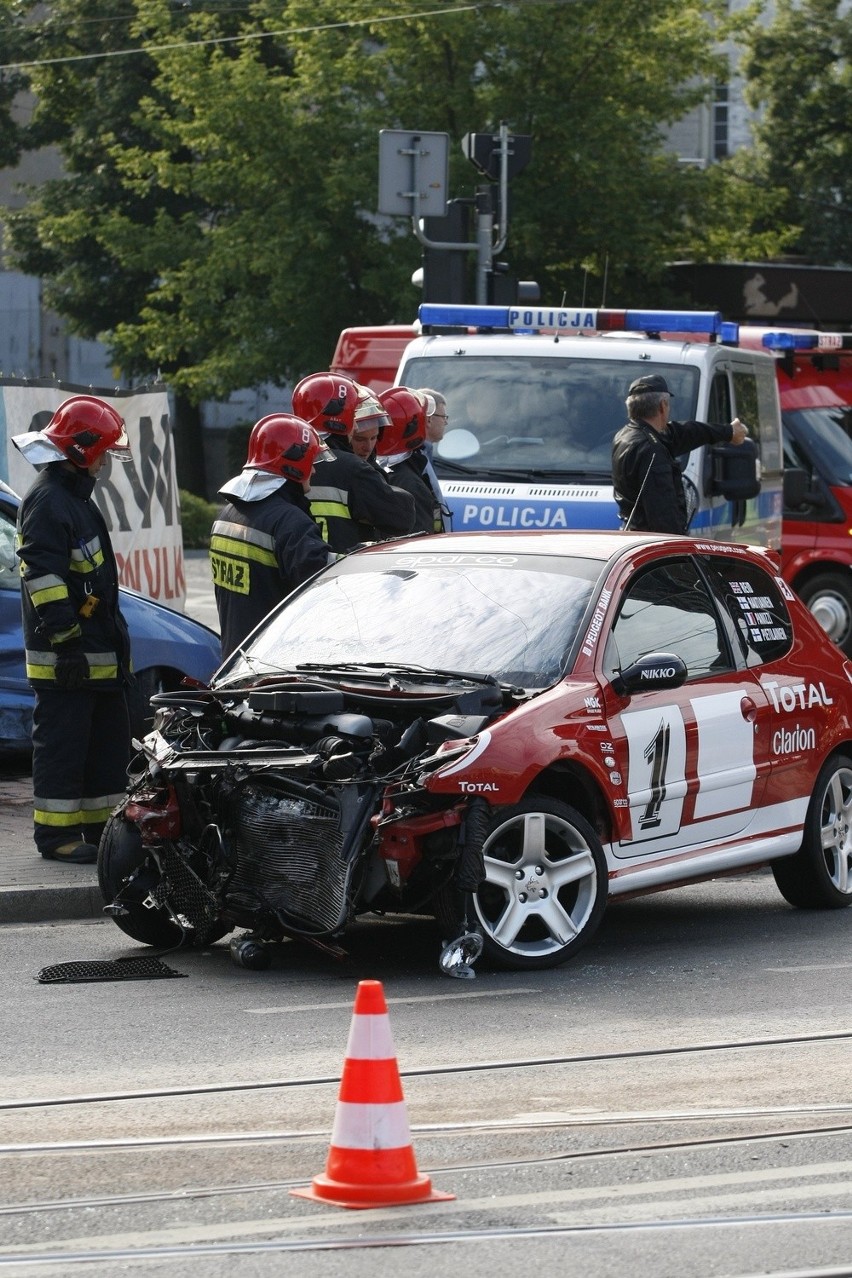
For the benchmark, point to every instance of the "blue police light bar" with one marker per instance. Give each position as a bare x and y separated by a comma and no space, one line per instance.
807,341
567,319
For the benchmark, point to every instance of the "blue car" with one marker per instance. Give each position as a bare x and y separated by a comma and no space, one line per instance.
166,646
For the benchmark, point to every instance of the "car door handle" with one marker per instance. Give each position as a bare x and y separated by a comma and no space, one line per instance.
749,709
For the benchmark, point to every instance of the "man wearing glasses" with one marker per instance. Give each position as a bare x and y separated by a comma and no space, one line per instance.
436,424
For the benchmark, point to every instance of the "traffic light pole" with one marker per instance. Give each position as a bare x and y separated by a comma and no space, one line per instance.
497,157
485,249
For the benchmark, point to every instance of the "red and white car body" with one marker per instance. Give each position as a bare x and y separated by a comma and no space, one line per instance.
508,730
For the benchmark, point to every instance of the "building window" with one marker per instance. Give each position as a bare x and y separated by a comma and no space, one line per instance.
720,122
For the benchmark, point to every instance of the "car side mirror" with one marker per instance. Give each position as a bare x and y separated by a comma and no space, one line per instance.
653,672
735,471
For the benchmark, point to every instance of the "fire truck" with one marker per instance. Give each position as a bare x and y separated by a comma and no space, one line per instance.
814,374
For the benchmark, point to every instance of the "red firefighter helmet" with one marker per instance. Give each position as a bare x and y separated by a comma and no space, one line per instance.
407,430
328,402
284,445
85,427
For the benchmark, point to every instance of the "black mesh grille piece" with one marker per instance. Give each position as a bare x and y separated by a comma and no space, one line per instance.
289,856
130,969
186,894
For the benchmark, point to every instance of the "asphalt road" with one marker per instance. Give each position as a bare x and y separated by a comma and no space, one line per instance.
674,1101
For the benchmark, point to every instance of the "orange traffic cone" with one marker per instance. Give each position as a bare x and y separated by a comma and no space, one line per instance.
371,1160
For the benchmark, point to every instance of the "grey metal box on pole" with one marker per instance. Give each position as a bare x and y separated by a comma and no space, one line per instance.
413,173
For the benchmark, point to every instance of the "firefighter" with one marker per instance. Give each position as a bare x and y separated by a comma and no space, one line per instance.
264,543
349,500
400,450
75,638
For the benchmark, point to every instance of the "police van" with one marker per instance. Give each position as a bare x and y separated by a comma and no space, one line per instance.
536,394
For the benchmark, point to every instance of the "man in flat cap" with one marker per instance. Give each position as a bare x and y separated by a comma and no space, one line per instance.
646,475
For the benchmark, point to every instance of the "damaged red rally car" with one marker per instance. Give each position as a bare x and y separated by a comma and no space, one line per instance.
505,731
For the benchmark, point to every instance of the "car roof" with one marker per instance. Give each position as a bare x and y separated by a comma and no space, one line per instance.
601,546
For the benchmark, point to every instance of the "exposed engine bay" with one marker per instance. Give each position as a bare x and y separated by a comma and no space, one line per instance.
291,806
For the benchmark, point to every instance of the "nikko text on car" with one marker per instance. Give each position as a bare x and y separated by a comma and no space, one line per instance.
505,731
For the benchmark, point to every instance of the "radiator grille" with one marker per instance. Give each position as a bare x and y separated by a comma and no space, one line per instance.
289,855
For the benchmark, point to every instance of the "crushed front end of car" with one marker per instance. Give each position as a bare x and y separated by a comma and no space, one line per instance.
292,806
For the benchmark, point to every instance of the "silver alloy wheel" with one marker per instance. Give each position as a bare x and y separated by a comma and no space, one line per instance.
545,886
836,827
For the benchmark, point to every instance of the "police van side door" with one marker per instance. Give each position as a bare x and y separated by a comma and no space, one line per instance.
756,403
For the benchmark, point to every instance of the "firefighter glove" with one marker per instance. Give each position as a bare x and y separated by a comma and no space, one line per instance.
72,670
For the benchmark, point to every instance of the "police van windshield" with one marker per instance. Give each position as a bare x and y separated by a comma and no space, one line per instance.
516,413
820,437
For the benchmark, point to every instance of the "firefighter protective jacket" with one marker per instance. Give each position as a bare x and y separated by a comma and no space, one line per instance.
352,503
647,477
259,552
70,580
410,474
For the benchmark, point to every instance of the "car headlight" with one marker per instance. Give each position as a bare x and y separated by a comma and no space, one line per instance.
454,756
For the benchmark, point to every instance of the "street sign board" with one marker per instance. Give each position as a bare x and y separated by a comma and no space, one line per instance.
413,173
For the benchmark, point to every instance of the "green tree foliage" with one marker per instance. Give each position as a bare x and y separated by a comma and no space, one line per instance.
13,44
218,217
799,74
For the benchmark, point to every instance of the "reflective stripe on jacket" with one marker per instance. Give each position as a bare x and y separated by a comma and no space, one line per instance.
259,552
70,580
352,502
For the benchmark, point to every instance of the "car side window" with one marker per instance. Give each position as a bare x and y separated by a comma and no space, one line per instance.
668,608
10,565
719,407
754,600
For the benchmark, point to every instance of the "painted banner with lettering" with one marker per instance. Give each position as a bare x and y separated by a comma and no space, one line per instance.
137,498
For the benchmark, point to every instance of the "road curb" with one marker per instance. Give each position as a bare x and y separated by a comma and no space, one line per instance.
50,904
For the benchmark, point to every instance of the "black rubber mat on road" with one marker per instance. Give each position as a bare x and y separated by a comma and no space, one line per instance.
126,969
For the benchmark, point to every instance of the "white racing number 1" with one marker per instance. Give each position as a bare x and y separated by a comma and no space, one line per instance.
656,753
656,768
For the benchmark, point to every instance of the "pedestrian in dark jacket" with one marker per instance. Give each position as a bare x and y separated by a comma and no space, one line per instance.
75,638
436,427
400,450
349,500
646,475
264,543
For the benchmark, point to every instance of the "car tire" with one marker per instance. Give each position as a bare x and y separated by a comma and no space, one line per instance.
545,888
121,853
819,875
829,597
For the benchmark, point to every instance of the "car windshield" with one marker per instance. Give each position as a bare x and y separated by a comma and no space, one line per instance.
545,415
513,617
824,435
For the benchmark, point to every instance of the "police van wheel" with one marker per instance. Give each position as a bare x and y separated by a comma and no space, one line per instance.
545,886
819,875
829,598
